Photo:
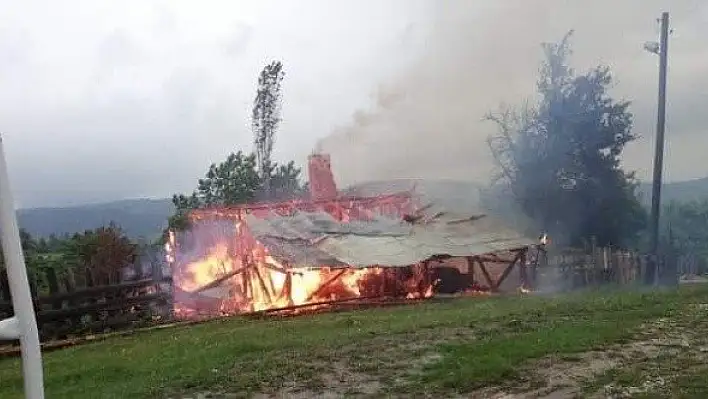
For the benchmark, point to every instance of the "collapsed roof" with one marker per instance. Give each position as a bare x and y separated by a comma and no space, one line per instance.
316,239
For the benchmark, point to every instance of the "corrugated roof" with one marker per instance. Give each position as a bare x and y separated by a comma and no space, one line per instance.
317,239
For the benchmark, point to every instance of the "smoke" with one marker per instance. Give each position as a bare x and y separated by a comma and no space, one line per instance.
427,122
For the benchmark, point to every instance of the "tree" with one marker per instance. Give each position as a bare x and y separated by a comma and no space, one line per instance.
559,159
688,224
265,119
285,182
104,251
29,248
242,178
232,182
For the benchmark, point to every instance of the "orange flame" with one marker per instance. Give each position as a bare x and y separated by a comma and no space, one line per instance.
226,283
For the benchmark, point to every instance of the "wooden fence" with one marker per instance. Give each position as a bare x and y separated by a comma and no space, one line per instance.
568,269
72,303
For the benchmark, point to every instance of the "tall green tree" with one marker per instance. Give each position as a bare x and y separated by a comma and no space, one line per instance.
265,119
244,178
559,159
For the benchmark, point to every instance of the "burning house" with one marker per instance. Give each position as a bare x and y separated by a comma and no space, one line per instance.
332,248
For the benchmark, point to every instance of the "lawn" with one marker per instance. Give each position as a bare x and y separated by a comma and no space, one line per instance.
437,349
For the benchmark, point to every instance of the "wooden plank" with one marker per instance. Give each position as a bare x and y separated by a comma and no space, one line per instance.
98,291
98,327
70,281
52,281
122,303
221,279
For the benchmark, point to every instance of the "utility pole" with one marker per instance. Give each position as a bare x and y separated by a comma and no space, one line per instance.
659,153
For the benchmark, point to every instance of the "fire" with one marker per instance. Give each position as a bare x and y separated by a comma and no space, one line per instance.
544,239
524,290
220,282
477,290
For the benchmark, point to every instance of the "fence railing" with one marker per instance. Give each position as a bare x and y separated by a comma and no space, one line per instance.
75,302
575,268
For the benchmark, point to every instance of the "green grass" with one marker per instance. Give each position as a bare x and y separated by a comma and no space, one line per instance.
432,348
677,367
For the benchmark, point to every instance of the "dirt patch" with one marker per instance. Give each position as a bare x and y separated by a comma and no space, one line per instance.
556,377
386,366
340,381
571,376
387,361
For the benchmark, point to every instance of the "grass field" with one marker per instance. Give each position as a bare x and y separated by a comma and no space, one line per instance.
584,344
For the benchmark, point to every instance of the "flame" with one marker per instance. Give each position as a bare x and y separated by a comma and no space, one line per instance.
477,290
524,290
544,239
225,282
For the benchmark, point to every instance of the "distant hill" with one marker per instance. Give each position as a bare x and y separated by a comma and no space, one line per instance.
147,217
139,218
682,191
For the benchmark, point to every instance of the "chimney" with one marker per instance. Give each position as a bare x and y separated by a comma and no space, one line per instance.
322,185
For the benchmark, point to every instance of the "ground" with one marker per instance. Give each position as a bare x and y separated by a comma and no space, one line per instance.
593,344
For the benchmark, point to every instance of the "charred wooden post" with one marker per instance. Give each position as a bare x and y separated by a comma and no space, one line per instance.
427,281
249,284
472,281
262,283
286,291
523,270
220,280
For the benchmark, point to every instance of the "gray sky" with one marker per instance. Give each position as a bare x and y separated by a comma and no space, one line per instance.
104,100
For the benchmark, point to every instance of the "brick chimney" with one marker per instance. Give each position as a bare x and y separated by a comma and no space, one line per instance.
322,185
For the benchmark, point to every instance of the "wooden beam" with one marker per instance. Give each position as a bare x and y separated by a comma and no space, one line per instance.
280,269
508,270
325,284
523,272
220,280
286,292
470,267
263,284
487,277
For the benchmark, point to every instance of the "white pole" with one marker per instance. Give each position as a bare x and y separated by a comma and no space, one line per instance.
24,324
